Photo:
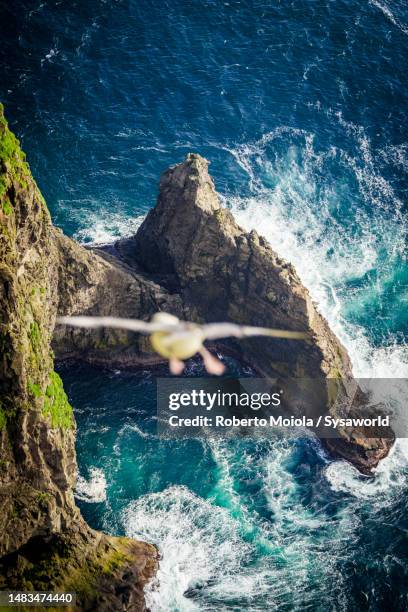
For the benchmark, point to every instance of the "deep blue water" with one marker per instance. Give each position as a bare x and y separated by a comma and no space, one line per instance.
301,107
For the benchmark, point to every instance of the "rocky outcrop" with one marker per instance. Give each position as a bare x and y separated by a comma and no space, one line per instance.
192,259
44,542
193,246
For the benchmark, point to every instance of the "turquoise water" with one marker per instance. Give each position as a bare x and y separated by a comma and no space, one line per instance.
302,109
255,525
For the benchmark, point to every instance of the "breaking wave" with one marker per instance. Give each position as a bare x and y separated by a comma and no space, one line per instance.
92,490
346,250
105,227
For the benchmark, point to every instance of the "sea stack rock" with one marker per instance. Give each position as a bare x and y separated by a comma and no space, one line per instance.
194,247
223,273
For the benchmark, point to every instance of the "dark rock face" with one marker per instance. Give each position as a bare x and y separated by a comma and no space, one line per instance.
95,283
224,273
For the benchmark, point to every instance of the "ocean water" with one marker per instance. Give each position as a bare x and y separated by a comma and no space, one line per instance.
301,107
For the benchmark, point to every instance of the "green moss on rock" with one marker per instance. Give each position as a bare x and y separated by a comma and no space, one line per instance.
66,563
34,389
35,336
6,206
3,418
14,170
12,159
56,404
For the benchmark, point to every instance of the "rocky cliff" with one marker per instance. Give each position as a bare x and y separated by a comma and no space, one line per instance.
189,258
44,542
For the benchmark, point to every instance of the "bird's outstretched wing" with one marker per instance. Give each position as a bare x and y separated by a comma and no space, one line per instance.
212,331
143,327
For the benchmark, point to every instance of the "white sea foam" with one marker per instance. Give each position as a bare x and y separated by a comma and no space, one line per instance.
133,427
388,479
52,53
105,227
396,154
198,543
387,11
207,545
295,530
298,217
93,490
